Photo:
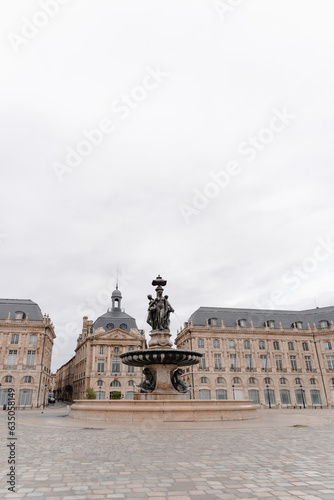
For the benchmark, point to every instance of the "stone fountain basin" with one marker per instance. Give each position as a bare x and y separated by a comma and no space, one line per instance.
148,357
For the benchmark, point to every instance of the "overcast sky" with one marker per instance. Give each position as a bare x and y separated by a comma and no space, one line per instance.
190,138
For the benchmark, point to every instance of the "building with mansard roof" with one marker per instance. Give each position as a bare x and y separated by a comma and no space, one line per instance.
276,358
96,363
26,342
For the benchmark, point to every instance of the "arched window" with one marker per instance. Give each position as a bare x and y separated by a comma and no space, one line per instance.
123,326
313,381
298,381
251,380
131,383
324,324
100,383
27,380
333,381
213,321
115,383
267,380
221,380
8,378
282,381
116,365
116,350
204,380
236,380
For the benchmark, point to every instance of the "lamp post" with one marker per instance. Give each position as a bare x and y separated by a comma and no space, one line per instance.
269,402
99,392
233,391
301,388
44,396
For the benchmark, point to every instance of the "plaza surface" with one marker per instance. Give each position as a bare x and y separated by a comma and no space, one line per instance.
284,454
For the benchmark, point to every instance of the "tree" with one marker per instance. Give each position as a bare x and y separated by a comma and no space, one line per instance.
90,393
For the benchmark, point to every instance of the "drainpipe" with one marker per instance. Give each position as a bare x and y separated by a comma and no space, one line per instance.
322,376
40,375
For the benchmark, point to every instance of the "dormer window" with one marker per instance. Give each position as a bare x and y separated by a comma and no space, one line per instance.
242,322
123,326
213,321
271,323
298,324
324,324
20,315
110,326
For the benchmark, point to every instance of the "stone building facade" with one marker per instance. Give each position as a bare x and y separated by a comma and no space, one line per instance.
26,342
96,363
275,358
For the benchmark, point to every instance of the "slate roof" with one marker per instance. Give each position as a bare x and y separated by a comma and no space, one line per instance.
30,308
259,316
117,317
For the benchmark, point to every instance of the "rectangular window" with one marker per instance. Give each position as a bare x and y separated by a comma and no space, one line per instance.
253,395
308,363
233,361
263,361
293,361
218,361
101,350
261,345
200,343
315,397
14,339
131,369
299,397
248,361
202,363
100,365
291,347
231,344
221,394
276,346
285,397
269,397
330,362
279,363
305,346
31,358
100,395
216,344
33,339
328,346
246,344
25,397
11,358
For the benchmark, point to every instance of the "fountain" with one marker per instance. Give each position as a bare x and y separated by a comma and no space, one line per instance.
162,363
162,396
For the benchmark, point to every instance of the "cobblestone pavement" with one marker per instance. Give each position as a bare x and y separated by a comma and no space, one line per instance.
267,458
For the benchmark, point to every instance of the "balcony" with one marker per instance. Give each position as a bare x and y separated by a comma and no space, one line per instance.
10,367
250,369
219,369
29,367
235,369
266,370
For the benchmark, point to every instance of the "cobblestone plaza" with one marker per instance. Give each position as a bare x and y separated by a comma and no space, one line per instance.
284,454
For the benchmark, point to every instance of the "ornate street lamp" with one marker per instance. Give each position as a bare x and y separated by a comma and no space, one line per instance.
301,388
233,391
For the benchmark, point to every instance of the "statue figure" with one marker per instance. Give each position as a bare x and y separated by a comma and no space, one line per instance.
159,310
178,383
148,385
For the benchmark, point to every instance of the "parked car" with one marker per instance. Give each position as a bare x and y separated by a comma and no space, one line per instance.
51,400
